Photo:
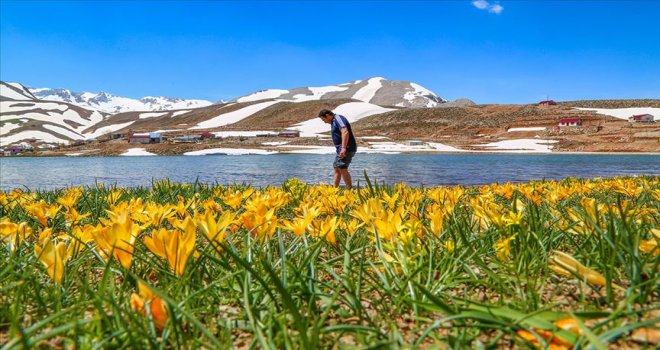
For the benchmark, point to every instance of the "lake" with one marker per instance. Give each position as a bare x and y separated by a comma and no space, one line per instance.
261,170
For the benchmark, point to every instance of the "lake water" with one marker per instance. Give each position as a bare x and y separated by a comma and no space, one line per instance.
261,170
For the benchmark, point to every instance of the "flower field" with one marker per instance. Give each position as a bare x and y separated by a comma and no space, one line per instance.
548,264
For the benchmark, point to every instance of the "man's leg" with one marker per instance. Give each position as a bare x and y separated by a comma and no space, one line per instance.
337,176
347,178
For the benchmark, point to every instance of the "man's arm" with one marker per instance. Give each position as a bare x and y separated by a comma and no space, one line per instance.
344,142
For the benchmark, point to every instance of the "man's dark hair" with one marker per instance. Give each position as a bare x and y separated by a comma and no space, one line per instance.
325,112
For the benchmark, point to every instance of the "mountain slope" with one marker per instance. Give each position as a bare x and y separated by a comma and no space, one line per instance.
15,92
23,117
106,102
377,90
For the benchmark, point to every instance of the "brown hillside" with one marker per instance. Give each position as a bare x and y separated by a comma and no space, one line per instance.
284,114
432,122
612,103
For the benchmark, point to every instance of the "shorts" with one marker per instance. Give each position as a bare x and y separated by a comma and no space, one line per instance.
343,163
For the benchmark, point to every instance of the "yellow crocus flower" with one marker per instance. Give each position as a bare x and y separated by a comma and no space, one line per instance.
449,246
651,245
565,264
14,233
148,298
436,219
73,217
175,246
326,229
42,211
113,197
503,248
214,229
53,257
118,237
70,197
513,218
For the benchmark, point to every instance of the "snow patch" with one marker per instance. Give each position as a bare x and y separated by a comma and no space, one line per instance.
444,148
317,93
375,137
353,111
522,145
107,129
233,117
625,113
6,91
137,152
7,127
263,95
242,133
32,134
418,91
63,131
540,128
369,91
178,113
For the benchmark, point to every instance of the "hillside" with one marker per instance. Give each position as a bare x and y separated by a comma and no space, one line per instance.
631,103
457,126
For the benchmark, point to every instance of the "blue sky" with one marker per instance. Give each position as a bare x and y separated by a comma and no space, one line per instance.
489,51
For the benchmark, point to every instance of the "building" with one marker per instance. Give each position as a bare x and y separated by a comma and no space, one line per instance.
207,135
641,118
139,138
415,143
289,133
186,138
547,103
570,122
13,150
155,137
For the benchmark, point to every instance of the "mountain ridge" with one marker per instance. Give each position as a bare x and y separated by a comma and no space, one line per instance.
375,90
106,102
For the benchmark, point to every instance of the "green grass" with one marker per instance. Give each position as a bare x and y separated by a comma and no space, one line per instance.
364,291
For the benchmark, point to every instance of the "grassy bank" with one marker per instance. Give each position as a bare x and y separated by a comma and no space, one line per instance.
565,264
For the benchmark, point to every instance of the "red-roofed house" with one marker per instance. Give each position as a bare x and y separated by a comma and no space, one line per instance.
289,133
547,103
139,138
570,122
641,118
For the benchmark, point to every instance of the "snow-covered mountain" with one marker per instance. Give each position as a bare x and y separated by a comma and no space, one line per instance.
58,116
377,90
106,102
24,117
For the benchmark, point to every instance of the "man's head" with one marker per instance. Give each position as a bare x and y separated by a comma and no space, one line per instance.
326,115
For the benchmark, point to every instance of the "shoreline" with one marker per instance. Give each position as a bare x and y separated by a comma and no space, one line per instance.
358,153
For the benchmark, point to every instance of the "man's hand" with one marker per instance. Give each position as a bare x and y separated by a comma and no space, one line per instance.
344,142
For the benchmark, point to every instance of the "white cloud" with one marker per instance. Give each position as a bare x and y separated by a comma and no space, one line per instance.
495,8
480,4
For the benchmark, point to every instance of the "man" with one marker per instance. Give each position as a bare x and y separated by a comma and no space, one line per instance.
342,137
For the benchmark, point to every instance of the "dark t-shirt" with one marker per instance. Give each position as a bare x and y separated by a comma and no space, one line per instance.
339,122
